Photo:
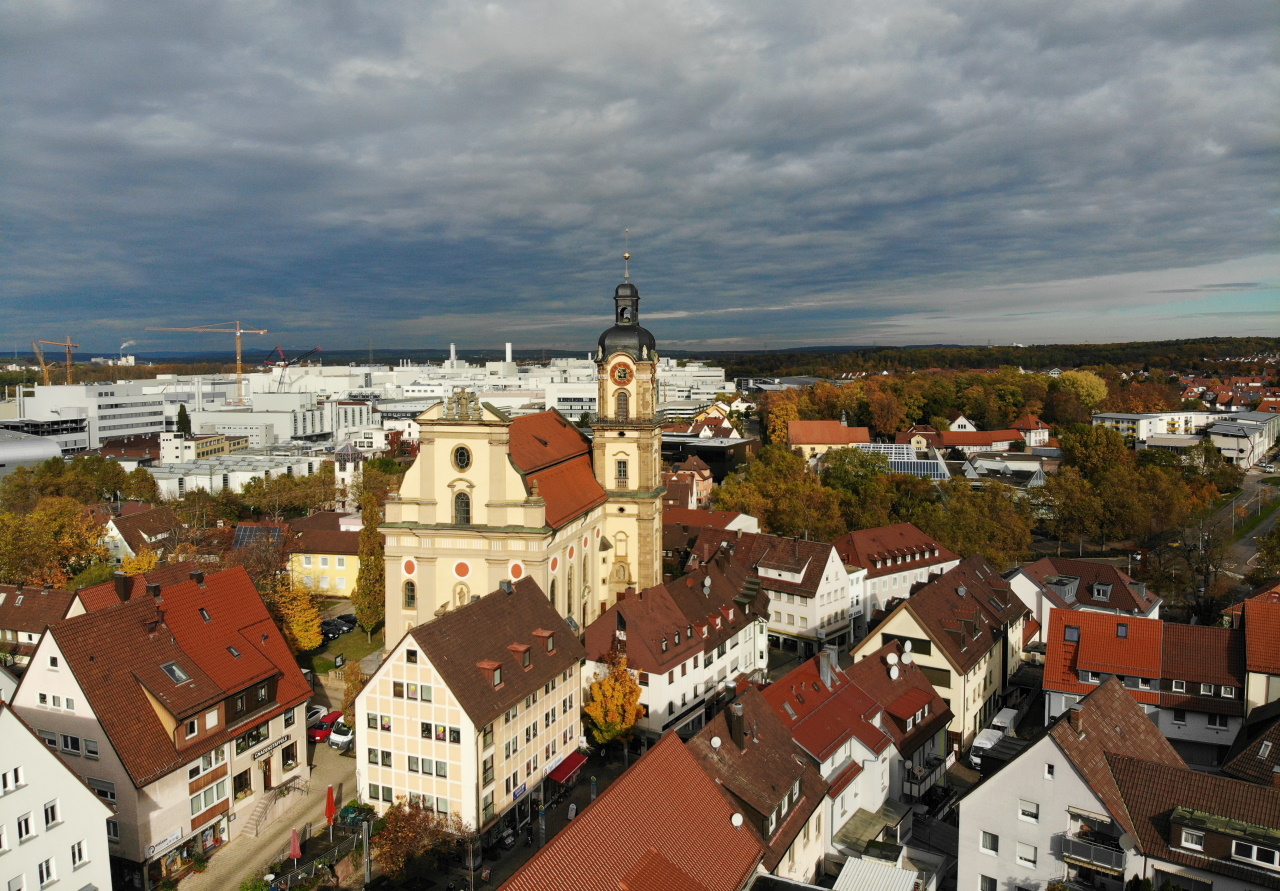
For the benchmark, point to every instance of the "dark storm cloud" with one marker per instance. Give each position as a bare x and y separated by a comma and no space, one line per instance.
825,172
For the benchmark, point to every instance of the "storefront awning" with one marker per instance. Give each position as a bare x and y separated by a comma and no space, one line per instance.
568,767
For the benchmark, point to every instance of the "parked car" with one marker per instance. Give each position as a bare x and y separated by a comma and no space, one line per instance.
324,729
314,714
349,618
342,735
335,626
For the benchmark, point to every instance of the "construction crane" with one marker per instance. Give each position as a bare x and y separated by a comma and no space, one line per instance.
62,343
285,364
238,331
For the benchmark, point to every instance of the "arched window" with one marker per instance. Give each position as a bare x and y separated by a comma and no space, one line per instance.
410,595
623,402
553,593
462,509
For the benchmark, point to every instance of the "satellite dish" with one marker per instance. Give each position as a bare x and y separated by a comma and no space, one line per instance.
907,659
906,646
1127,843
891,658
736,820
893,672
715,742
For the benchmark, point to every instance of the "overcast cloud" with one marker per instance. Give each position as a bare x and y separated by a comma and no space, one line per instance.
910,171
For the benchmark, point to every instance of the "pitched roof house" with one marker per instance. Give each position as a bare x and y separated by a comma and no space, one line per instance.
25,613
167,698
815,438
885,562
664,824
1066,583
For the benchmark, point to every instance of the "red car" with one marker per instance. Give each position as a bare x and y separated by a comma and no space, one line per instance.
321,731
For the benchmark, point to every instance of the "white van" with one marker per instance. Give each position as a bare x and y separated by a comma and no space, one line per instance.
1004,721
983,741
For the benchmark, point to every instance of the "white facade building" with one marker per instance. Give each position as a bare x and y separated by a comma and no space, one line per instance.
124,408
53,828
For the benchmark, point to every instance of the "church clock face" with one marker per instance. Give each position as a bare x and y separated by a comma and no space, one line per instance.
621,374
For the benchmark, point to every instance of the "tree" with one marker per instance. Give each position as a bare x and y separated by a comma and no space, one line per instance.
1268,563
1091,450
862,477
410,832
1120,493
144,561
140,486
614,706
1073,507
369,596
990,520
51,544
777,488
184,420
353,681
296,609
1086,386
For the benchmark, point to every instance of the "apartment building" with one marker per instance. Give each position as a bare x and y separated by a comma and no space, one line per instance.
325,552
180,705
884,563
1065,583
689,640
1103,798
473,712
53,827
806,582
25,613
965,628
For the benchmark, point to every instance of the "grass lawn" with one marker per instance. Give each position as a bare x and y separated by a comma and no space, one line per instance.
354,645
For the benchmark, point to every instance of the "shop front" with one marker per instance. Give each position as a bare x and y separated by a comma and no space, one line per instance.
173,856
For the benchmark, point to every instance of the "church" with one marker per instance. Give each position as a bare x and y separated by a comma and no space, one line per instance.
492,499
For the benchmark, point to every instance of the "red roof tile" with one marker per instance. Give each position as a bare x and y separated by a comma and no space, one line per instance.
1262,636
38,610
636,835
758,550
1258,760
950,438
150,529
717,519
1101,649
1122,592
825,433
555,457
1205,654
864,547
821,717
902,697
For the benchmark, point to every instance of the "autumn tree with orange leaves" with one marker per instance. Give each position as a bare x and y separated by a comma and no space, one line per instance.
49,545
614,706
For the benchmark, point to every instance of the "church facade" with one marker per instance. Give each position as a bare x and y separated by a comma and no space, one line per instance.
492,499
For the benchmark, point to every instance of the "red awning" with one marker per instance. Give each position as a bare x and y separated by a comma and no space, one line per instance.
568,767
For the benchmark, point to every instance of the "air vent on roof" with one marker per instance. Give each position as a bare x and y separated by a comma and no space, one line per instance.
234,652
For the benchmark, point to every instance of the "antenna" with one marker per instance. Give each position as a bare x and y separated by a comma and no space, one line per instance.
906,646
626,255
891,658
893,672
907,658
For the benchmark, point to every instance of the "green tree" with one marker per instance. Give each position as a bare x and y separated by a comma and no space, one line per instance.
1073,508
140,486
1268,562
777,488
184,420
1086,386
614,704
369,596
1091,450
54,542
862,478
990,520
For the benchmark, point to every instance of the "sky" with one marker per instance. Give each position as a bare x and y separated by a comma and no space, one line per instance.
819,173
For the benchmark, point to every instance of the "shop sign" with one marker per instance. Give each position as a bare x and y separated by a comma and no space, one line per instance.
524,787
546,771
262,753
165,843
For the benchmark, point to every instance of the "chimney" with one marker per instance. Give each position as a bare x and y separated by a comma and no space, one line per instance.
197,576
826,662
508,353
123,588
507,587
48,587
453,354
738,532
154,590
667,578
632,592
733,717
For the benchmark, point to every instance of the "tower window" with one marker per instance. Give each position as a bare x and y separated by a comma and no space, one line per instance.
623,402
462,509
410,595
621,472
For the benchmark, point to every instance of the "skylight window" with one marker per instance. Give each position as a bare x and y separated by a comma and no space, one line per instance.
234,652
791,713
175,672
204,614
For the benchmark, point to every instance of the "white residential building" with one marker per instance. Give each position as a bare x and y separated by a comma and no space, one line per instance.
884,563
53,828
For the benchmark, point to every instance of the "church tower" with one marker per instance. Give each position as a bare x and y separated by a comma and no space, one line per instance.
627,445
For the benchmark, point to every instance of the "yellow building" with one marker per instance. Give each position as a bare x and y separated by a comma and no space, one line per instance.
323,555
491,499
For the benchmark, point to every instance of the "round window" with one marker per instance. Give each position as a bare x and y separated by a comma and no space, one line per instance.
461,457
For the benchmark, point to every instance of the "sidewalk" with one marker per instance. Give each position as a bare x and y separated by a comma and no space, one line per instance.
247,857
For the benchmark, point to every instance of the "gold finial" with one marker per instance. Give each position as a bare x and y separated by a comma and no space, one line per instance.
626,255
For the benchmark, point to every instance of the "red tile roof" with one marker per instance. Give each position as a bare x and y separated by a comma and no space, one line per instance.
716,519
1123,593
38,610
544,439
1204,654
326,541
965,627
116,652
555,459
1108,721
637,835
821,717
864,547
1257,760
1150,792
758,778
756,550
901,698
1030,422
149,529
107,594
950,438
1101,649
825,433
1261,622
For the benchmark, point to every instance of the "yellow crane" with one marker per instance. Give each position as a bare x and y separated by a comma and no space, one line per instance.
62,343
238,330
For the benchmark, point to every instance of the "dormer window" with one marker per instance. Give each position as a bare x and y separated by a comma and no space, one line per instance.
1229,692
1122,630
497,676
664,645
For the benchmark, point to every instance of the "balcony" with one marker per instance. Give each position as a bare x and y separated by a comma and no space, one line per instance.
917,779
1094,850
